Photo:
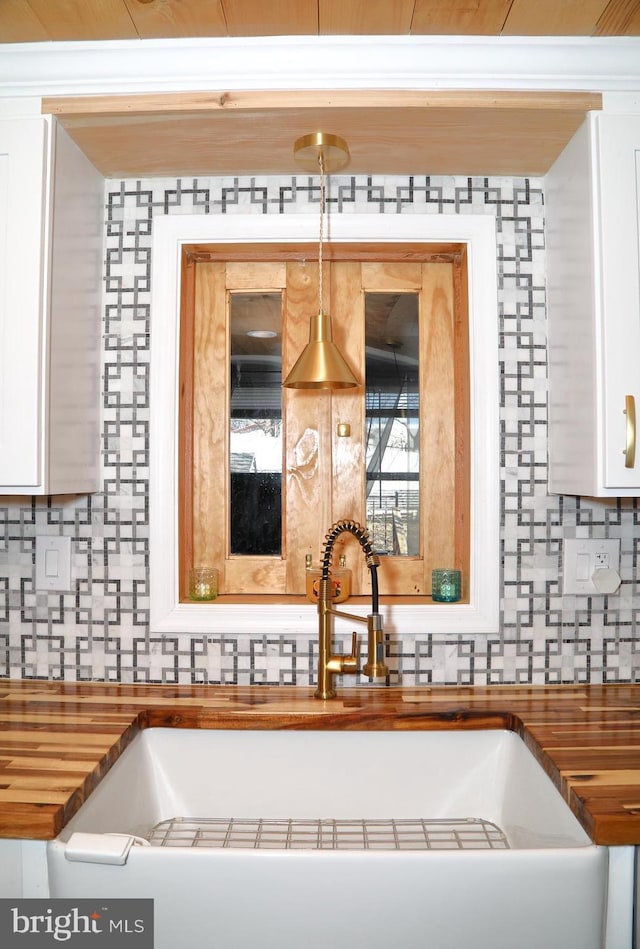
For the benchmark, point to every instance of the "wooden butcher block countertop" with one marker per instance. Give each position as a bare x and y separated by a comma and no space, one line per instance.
58,739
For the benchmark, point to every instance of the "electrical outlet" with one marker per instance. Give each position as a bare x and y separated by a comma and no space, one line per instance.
582,558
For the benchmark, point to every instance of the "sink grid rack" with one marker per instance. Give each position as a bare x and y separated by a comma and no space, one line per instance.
328,834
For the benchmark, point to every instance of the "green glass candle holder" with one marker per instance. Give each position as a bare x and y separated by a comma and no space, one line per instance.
445,586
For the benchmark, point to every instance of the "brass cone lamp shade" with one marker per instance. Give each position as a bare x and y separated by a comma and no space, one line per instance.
321,365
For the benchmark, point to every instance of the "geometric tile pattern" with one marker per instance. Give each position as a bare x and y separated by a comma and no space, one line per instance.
100,630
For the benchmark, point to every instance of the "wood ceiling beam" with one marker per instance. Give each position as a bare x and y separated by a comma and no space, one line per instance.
388,132
171,102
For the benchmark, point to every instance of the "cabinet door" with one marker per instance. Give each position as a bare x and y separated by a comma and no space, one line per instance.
618,293
593,285
23,191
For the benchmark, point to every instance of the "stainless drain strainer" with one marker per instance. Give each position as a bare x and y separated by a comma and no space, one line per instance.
261,834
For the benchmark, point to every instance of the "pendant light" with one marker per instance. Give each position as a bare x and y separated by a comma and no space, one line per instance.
321,365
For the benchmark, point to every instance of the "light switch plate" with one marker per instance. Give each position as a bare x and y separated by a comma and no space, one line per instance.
581,559
53,563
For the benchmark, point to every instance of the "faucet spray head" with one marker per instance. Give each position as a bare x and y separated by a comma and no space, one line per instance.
375,667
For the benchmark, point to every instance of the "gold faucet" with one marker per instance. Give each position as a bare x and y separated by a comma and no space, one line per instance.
330,665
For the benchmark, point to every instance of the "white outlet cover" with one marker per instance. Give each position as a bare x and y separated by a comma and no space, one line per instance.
579,563
606,580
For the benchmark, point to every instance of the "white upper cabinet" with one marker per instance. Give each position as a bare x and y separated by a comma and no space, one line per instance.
51,209
593,280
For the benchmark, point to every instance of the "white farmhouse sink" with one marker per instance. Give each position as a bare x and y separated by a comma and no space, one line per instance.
529,877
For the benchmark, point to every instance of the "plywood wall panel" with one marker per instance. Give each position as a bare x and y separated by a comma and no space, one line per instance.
550,18
365,17
210,438
83,19
41,20
307,415
620,18
19,24
264,18
177,18
459,17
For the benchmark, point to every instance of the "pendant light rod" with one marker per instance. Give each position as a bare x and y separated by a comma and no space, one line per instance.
321,240
321,365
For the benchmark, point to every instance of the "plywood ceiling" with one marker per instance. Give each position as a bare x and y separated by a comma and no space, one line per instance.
23,21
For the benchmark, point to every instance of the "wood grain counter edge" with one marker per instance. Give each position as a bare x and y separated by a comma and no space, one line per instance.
58,740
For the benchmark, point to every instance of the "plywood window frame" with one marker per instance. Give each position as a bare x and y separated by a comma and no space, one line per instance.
444,284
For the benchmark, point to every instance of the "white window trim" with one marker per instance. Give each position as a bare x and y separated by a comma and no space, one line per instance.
481,614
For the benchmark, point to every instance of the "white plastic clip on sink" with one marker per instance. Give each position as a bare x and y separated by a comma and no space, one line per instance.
102,848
